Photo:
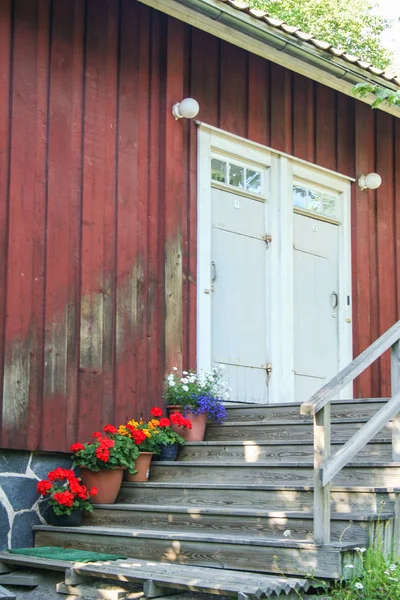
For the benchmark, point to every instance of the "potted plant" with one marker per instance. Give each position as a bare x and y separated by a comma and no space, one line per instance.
103,462
167,439
199,396
66,497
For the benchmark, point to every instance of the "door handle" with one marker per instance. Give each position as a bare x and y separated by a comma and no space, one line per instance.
213,272
334,300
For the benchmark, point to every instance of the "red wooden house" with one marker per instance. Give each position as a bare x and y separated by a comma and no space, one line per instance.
132,242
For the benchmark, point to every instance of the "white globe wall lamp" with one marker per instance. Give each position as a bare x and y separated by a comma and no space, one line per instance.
372,181
186,109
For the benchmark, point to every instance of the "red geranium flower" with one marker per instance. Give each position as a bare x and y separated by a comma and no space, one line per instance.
156,412
93,491
187,423
43,487
110,429
60,473
164,422
102,454
76,447
176,418
97,434
64,498
138,436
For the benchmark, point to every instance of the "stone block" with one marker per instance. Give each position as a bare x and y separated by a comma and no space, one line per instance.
43,463
4,527
20,491
22,532
14,461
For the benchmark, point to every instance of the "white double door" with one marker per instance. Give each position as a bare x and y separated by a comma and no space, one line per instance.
277,298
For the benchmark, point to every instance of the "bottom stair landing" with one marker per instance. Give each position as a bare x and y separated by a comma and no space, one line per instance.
160,579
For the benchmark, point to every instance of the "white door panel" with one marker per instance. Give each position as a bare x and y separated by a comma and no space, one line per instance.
239,313
316,342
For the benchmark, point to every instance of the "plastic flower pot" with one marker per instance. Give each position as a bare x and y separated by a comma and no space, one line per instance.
142,465
169,452
107,482
72,520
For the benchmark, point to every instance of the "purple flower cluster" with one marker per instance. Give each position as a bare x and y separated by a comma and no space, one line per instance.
208,404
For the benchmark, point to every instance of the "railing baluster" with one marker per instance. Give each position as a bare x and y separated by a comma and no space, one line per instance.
395,356
322,494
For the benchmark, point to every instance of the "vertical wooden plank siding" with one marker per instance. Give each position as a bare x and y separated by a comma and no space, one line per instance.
386,247
361,242
5,124
98,204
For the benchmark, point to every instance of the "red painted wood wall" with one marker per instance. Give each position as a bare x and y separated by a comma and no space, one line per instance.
98,203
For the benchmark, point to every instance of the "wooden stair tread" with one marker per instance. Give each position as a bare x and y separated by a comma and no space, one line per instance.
264,464
303,420
34,562
272,405
198,579
336,442
192,536
257,486
244,512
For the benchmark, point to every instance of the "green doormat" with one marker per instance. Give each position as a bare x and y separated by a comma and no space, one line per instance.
68,554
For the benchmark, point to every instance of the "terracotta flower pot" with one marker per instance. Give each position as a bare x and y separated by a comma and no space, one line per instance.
107,482
142,465
199,422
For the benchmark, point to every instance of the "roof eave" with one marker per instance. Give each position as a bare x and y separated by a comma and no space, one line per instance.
245,31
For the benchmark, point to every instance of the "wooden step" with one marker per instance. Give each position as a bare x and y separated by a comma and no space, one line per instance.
348,527
219,551
238,495
380,450
340,409
285,430
386,474
195,579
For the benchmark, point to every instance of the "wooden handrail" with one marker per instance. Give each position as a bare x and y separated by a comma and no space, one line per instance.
353,370
327,466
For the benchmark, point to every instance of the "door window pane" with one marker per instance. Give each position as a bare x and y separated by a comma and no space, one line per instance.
300,197
329,206
253,181
236,176
218,170
314,202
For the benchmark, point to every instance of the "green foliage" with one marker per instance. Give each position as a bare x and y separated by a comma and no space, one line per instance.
374,577
107,452
382,94
347,24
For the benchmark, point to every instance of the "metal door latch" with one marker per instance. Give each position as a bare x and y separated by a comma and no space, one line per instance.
268,368
267,239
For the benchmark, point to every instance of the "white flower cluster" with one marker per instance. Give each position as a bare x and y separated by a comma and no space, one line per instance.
208,382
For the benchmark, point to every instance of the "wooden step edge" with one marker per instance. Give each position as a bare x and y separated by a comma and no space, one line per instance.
245,443
34,562
302,420
254,405
256,486
173,535
244,512
236,464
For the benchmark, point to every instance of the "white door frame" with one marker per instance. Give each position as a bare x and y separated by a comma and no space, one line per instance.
280,221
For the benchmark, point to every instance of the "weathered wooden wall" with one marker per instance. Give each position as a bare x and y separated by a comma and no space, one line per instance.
98,203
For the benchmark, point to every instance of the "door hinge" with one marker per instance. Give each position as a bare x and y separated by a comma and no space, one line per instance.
267,239
268,369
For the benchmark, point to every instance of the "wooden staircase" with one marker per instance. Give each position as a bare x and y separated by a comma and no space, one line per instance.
227,502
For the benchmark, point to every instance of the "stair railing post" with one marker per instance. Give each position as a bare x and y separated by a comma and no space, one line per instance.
395,358
322,494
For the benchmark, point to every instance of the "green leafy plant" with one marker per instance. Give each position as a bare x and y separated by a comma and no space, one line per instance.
108,451
391,97
352,25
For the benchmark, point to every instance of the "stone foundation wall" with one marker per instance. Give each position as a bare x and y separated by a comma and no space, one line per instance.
19,501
